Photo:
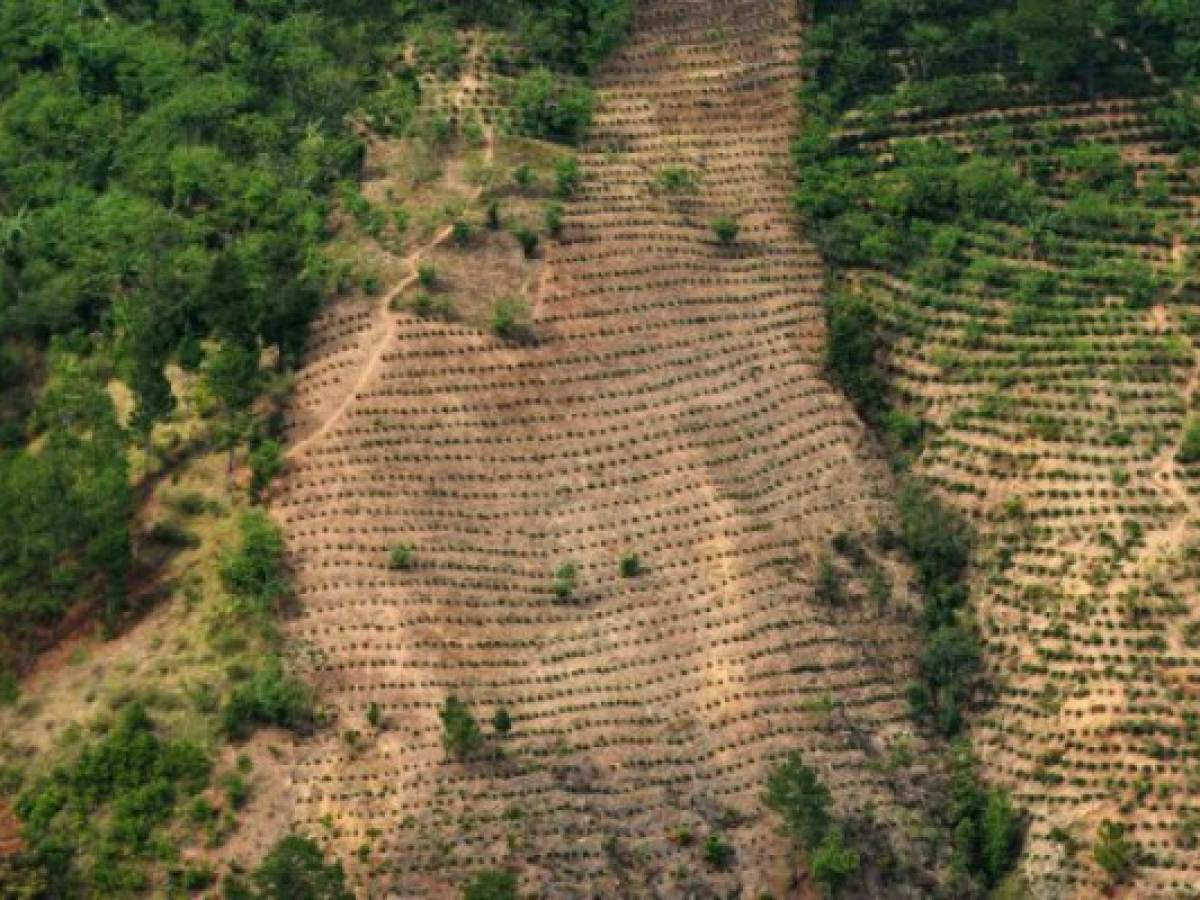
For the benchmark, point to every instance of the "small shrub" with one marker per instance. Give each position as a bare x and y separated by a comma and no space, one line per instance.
676,180
491,884
1113,852
717,853
726,230
564,580
401,557
374,715
460,232
427,275
828,590
567,176
461,736
1189,444
266,462
493,215
528,240
552,218
510,320
524,176
631,565
502,722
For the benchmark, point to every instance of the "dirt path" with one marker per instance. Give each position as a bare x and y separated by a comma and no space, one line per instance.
384,320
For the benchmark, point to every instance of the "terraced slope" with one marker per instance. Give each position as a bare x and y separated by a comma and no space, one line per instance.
673,407
1060,420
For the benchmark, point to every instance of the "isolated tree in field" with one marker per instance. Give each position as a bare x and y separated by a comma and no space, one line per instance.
564,580
1113,851
296,869
460,732
833,862
502,722
631,565
726,230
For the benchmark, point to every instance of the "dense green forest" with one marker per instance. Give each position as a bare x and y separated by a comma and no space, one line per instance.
167,169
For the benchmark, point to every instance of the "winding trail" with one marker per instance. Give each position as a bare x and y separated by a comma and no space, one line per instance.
384,321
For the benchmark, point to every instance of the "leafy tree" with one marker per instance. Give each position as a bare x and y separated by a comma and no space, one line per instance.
716,852
726,230
491,884
1189,444
567,176
253,573
295,869
1001,835
270,697
796,793
502,722
1113,851
266,462
833,863
460,732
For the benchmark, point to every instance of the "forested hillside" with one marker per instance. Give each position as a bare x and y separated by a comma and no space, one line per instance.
1007,196
173,177
166,174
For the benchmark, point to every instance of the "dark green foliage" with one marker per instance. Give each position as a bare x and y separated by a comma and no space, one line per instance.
985,830
852,348
833,863
90,823
828,590
716,851
564,580
552,218
266,462
253,573
64,514
631,565
510,320
295,869
270,696
550,106
502,722
528,240
567,176
460,732
726,230
401,557
1114,852
491,884
802,800
1189,445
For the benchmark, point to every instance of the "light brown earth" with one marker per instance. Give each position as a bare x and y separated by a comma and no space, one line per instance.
673,407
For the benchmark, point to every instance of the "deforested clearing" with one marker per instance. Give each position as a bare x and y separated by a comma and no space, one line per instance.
667,401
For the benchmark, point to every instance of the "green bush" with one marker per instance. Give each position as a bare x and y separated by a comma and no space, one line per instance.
631,565
491,884
269,697
461,736
567,176
528,240
1189,443
254,573
553,107
726,230
510,320
564,580
401,557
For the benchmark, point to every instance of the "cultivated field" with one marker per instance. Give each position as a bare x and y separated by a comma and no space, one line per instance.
671,406
1061,423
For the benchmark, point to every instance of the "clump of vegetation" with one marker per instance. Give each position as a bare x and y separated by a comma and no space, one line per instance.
510,320
551,107
676,180
552,219
564,580
1189,443
253,573
294,868
461,735
528,239
631,565
1114,852
567,176
726,230
800,798
94,823
491,884
401,557
717,852
270,696
502,722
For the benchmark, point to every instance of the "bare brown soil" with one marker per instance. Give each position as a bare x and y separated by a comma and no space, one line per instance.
672,407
